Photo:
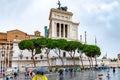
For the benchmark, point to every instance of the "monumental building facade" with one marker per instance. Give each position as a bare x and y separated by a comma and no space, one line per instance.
62,26
7,45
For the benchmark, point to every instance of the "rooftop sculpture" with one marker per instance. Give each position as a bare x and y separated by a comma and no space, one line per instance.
61,8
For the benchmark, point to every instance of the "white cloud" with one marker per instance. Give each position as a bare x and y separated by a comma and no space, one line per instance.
109,6
99,7
89,7
36,6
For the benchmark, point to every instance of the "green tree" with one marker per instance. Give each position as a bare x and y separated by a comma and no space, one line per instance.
114,60
31,46
91,51
45,44
71,47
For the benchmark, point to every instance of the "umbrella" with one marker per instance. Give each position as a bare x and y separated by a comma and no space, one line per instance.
40,70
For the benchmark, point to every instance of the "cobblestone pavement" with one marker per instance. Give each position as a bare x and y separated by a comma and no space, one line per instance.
84,75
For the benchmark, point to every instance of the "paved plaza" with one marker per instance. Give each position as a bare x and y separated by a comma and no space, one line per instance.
89,75
84,75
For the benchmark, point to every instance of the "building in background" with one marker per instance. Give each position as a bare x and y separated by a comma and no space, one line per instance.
8,41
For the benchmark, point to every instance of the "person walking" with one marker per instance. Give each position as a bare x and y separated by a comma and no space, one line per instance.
113,69
31,75
15,75
40,73
60,74
39,77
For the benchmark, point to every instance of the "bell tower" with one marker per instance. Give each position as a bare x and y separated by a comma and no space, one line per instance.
61,24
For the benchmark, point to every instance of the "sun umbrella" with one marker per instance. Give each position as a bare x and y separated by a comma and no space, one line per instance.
40,70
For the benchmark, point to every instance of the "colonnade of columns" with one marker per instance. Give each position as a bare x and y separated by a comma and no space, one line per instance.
62,30
5,56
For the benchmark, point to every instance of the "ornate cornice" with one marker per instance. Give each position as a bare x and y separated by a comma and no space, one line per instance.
59,11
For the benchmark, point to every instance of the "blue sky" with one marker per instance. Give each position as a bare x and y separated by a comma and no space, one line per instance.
100,18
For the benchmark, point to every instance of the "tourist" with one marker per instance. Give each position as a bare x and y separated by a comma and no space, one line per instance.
31,75
15,75
60,72
113,69
39,76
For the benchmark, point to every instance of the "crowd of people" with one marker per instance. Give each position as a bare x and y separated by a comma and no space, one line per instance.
9,75
28,75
